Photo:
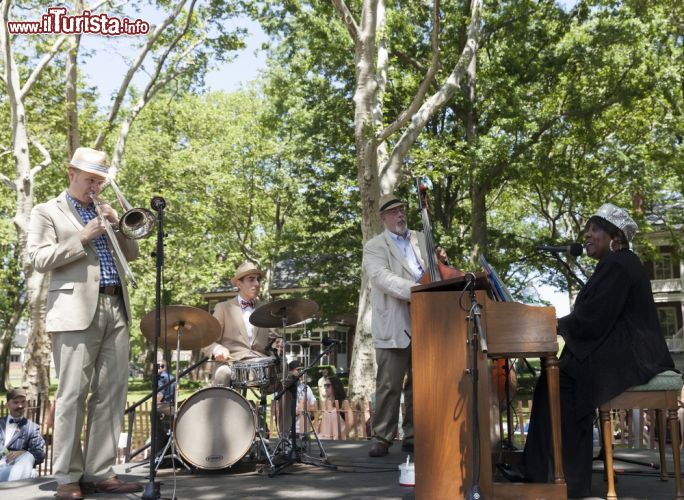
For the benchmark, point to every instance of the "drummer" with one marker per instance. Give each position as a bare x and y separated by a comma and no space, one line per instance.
240,340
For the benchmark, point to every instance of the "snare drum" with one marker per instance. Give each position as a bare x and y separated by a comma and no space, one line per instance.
214,428
258,372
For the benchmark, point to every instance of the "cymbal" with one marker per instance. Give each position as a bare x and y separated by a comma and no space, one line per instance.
291,311
199,328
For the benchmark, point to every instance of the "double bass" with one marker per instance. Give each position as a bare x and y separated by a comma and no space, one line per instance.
437,270
504,378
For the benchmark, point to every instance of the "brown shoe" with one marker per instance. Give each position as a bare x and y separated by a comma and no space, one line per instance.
378,449
111,485
69,491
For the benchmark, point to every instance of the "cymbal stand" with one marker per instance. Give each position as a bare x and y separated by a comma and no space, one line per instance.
260,414
283,441
296,453
170,443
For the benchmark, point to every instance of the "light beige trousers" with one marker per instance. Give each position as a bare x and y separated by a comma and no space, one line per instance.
93,361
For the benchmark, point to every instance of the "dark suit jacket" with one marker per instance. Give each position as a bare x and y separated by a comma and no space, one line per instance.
27,437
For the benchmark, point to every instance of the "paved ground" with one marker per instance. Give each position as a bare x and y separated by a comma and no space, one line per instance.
356,477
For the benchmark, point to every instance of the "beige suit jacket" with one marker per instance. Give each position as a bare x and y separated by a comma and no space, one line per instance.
54,246
391,281
234,334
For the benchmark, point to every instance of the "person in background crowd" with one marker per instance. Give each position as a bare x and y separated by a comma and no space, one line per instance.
21,444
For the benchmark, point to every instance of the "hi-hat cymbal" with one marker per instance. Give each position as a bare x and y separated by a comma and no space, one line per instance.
199,328
284,312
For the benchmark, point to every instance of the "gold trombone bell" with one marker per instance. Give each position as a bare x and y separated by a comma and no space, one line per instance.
135,223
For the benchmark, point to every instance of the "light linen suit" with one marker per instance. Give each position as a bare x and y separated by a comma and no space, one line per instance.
234,334
391,280
234,338
89,340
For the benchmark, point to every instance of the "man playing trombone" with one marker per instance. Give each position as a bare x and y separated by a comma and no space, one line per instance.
88,314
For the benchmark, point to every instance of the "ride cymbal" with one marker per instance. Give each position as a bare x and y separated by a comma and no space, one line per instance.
284,312
199,328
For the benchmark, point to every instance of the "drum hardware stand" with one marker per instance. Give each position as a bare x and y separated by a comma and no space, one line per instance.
296,453
478,334
261,420
171,441
131,411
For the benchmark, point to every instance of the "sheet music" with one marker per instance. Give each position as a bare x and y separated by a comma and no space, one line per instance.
500,290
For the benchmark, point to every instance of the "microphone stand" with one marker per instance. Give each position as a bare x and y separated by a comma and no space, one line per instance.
152,488
477,335
568,269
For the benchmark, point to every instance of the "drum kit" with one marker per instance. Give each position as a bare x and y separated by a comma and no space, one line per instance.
217,426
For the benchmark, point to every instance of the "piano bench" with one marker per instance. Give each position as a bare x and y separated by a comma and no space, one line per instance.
661,394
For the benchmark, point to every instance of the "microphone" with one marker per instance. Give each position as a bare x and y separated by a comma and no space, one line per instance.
575,249
158,203
327,341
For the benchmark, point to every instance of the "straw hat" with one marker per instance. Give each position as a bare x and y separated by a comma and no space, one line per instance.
245,269
91,161
388,202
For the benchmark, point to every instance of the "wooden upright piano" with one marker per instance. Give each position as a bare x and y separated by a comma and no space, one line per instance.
443,395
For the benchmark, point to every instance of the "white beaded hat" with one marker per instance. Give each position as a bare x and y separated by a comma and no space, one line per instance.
619,218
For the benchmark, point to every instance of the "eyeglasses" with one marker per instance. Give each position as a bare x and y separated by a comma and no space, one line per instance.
327,385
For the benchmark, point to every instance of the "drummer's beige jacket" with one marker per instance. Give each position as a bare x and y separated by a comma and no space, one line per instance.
234,334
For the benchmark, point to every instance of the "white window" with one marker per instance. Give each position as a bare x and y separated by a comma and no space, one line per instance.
667,316
663,267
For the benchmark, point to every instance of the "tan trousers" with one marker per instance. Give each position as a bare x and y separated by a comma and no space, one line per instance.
92,361
393,365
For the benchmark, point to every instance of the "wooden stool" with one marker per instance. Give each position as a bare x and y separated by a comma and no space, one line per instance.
660,393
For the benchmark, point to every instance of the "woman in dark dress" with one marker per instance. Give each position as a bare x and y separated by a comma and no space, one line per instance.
613,341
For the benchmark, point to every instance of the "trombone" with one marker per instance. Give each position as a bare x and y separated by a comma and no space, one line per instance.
134,224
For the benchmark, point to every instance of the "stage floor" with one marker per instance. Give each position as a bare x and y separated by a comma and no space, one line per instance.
357,477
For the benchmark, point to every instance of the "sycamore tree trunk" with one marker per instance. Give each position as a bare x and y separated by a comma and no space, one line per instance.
363,367
38,382
14,292
7,335
378,170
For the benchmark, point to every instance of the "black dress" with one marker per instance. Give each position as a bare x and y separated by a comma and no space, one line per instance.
613,341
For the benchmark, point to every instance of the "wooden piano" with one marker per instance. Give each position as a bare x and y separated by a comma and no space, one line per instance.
442,388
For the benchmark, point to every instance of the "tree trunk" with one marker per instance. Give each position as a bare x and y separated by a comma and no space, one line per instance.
71,93
39,347
8,336
378,171
362,369
5,348
36,372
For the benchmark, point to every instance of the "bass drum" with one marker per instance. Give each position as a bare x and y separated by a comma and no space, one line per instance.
214,428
